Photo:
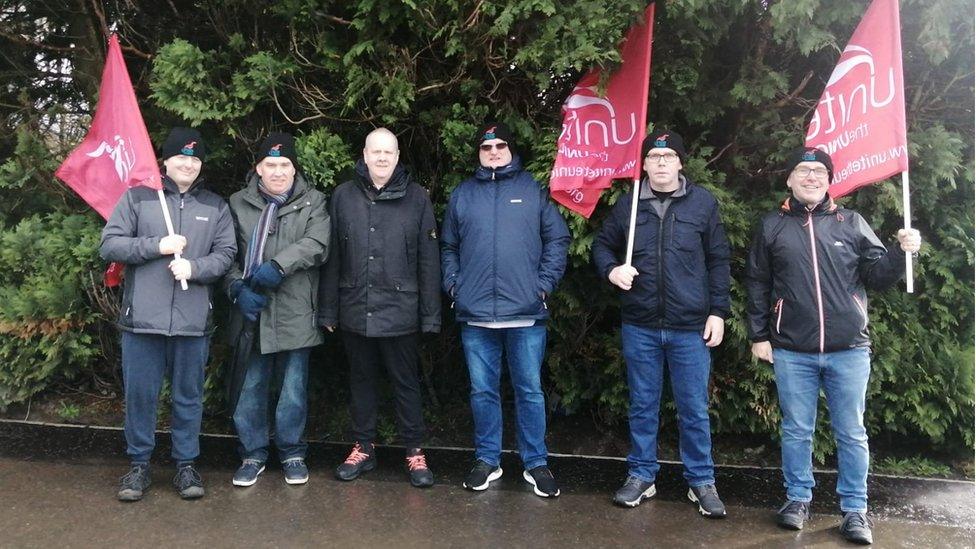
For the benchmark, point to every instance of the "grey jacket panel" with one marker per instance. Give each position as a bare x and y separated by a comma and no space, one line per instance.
300,245
152,300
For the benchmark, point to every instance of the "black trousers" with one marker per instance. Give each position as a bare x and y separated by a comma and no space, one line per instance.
399,356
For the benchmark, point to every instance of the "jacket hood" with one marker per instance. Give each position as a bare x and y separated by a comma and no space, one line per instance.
395,188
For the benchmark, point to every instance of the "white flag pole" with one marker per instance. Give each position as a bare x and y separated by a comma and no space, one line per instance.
907,209
169,227
633,222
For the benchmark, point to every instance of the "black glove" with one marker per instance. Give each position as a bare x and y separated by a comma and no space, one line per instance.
268,275
235,289
250,303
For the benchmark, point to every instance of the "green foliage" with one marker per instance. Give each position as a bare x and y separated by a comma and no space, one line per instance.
738,79
918,466
46,262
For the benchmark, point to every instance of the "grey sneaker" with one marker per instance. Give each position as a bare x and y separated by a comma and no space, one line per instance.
793,514
633,492
247,473
296,472
135,483
856,528
188,482
709,504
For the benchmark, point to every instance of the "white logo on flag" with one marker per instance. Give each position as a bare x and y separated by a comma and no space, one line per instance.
120,154
573,133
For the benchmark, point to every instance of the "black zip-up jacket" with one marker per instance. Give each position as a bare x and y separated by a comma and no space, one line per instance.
807,275
382,278
680,252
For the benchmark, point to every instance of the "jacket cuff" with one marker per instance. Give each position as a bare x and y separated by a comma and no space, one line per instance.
430,327
328,319
721,313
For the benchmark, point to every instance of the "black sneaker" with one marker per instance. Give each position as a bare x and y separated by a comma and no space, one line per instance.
792,514
188,482
420,475
633,492
135,482
247,473
360,460
709,504
543,483
481,475
856,528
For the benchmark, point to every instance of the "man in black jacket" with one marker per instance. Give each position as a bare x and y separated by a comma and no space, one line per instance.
166,330
380,286
674,301
808,269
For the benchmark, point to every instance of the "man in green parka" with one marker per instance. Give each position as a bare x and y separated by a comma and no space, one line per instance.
283,229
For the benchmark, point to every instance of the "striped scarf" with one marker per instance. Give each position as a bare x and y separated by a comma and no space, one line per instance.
266,226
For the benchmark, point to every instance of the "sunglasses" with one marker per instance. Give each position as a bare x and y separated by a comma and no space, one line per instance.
499,146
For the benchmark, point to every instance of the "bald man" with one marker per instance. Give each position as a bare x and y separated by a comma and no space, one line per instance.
380,289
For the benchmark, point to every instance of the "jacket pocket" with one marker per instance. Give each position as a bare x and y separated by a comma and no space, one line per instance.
778,309
862,310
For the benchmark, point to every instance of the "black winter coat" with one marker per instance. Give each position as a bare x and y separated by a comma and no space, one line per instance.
383,273
807,275
682,259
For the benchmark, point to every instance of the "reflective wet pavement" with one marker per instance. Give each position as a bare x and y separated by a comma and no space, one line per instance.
57,489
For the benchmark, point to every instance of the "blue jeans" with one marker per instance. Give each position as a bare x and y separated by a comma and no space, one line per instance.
843,376
251,419
524,349
646,351
146,360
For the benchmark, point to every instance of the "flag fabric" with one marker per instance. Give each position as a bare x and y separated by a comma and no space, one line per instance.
860,119
116,154
601,136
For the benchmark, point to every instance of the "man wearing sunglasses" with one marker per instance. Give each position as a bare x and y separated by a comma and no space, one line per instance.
504,250
810,264
674,300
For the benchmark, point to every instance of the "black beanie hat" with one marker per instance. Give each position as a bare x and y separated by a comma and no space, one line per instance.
811,154
661,139
185,141
278,145
495,130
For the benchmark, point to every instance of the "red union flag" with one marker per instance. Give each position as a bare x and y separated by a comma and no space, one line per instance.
860,120
601,136
116,154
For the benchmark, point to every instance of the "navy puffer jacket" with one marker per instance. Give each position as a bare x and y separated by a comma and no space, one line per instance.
504,246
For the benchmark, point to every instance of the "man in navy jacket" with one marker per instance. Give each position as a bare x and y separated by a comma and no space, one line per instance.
674,301
504,250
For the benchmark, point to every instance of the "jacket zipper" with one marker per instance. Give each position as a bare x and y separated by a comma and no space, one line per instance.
494,252
862,309
816,277
660,269
779,313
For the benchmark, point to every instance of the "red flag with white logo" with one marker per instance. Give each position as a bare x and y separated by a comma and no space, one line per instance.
116,154
601,135
860,120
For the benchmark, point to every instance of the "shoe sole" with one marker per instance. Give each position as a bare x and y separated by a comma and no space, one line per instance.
130,495
249,482
701,510
294,481
421,484
493,476
789,525
646,494
192,493
528,478
365,469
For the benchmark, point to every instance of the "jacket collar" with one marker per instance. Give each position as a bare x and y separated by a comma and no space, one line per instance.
170,186
395,188
825,206
252,195
684,185
494,174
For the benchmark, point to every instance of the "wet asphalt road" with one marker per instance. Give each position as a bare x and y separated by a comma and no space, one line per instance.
57,488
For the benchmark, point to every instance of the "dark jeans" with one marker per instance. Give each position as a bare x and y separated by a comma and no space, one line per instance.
647,352
146,359
398,356
251,419
524,349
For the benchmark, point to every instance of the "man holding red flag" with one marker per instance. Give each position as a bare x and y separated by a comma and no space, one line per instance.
165,330
809,266
674,301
